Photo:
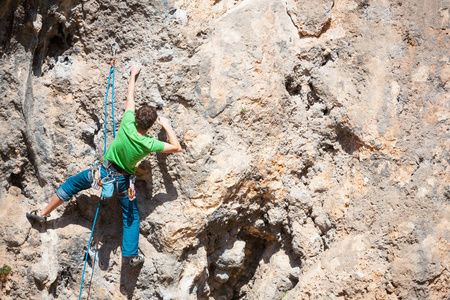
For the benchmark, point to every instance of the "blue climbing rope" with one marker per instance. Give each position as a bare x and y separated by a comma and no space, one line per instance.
106,106
89,245
112,100
111,70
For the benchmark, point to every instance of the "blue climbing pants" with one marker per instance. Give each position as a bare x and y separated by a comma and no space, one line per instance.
130,212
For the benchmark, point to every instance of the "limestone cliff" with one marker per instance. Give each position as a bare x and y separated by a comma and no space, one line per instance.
315,139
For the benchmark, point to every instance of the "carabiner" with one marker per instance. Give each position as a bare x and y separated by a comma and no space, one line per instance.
131,194
131,189
114,47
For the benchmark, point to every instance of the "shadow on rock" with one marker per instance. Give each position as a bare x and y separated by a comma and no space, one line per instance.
128,277
171,192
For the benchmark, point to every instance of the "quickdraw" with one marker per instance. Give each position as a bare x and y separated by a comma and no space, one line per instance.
131,189
114,47
95,175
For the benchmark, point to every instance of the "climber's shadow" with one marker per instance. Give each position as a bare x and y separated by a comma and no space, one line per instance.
147,200
107,236
128,277
171,192
41,228
80,211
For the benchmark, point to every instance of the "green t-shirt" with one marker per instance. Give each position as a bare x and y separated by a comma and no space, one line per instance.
128,148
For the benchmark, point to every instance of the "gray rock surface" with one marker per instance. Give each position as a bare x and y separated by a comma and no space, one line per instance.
315,140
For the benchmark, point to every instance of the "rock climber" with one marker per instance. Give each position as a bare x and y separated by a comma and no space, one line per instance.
130,146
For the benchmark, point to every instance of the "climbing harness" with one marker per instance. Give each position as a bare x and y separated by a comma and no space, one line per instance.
106,183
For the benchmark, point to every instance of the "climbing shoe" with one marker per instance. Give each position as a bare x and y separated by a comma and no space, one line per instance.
34,215
134,261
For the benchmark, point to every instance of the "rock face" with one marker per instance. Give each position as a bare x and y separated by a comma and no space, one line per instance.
315,139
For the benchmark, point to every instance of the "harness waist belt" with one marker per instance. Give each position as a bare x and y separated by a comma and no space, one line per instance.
114,167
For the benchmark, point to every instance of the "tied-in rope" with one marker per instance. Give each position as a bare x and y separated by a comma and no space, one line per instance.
111,70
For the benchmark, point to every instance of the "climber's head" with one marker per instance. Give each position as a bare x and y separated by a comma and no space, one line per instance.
145,116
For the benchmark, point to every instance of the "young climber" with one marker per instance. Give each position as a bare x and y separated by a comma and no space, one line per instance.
126,150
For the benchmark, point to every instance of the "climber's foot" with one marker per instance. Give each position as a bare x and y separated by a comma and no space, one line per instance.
134,261
35,216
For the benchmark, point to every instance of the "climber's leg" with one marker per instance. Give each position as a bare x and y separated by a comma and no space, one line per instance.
69,188
130,213
74,185
130,241
54,203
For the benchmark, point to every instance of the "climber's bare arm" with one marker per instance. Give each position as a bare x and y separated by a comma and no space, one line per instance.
129,105
173,146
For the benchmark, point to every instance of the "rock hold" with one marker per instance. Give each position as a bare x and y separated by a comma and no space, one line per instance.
232,256
310,17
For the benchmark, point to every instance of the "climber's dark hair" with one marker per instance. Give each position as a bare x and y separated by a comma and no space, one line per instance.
145,116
